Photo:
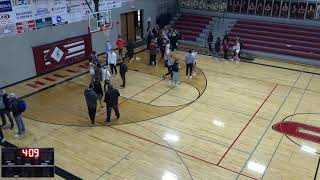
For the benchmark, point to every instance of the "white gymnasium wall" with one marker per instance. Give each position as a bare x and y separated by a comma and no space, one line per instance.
16,56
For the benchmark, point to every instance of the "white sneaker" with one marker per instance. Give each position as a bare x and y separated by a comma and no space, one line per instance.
3,140
177,85
17,135
190,77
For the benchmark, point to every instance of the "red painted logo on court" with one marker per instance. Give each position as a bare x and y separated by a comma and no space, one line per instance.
298,130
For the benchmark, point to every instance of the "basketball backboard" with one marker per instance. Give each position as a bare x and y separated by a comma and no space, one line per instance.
100,21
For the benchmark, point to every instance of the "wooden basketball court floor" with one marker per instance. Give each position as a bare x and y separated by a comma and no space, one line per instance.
216,126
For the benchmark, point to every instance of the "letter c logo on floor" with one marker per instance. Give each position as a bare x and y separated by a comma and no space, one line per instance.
298,130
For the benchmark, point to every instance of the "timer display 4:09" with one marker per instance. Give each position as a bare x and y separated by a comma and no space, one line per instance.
27,156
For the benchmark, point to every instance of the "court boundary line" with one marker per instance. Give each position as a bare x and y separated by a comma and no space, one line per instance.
269,125
316,174
208,162
265,100
261,64
283,135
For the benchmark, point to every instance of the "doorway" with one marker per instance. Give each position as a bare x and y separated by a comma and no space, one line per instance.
132,26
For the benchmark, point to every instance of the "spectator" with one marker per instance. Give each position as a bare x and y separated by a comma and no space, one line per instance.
91,99
149,39
162,47
106,77
97,84
168,63
123,71
217,48
236,49
167,50
226,37
189,64
91,70
111,100
174,41
120,45
195,57
93,58
210,41
5,109
108,50
130,50
225,50
175,72
153,53
112,61
18,107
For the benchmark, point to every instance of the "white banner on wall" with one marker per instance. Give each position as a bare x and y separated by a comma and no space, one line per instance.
109,4
41,9
23,10
74,9
59,11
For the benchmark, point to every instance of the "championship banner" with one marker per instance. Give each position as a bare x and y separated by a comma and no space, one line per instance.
85,8
109,4
24,10
5,6
44,22
59,11
41,9
25,26
74,9
7,19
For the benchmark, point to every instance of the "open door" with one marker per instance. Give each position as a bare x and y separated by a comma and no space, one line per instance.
132,26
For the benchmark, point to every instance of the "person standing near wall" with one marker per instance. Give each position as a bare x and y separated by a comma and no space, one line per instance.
225,50
5,109
210,41
120,45
189,64
111,100
91,99
18,107
112,61
217,48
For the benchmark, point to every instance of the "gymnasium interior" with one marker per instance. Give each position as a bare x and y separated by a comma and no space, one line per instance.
241,114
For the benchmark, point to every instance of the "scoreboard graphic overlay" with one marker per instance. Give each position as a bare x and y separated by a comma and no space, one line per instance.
27,162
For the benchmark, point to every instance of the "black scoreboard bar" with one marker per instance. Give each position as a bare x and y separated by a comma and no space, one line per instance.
27,162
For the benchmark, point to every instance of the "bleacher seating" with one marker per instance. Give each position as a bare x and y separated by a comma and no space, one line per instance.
191,26
284,39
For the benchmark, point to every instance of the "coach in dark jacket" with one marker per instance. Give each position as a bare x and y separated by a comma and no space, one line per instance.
91,99
111,100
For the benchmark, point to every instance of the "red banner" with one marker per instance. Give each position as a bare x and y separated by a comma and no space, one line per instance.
26,26
62,53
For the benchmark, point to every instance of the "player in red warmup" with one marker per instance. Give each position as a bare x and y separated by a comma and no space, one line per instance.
120,44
